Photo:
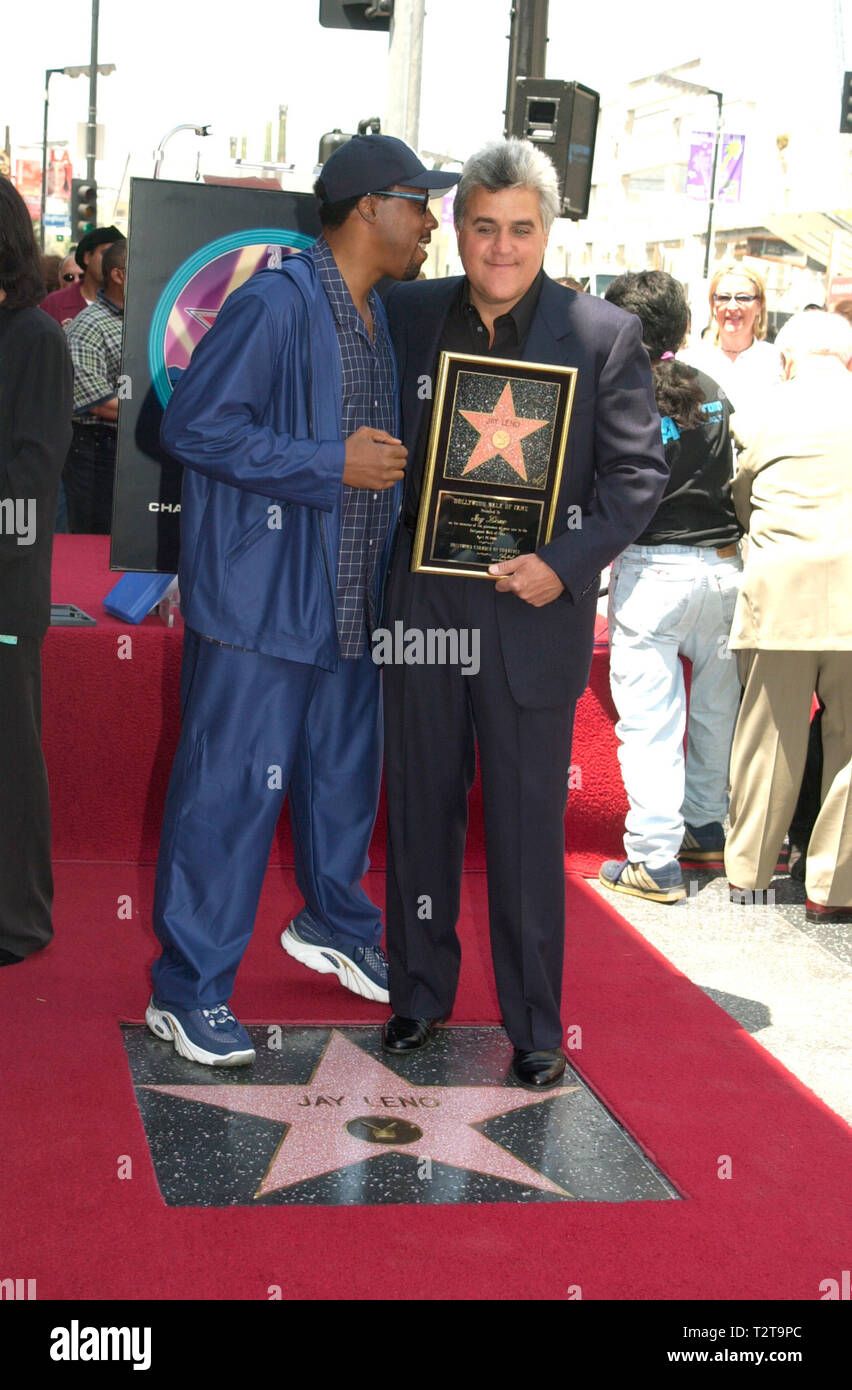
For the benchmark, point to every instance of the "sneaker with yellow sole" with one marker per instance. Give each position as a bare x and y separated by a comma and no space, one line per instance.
663,885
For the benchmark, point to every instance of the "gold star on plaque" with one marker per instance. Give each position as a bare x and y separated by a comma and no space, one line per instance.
500,433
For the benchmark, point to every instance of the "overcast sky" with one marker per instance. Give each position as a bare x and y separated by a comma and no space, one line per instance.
176,64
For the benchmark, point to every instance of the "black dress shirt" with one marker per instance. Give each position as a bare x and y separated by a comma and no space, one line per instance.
464,331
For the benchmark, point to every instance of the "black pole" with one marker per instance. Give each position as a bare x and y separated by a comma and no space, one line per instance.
92,124
712,205
47,76
527,49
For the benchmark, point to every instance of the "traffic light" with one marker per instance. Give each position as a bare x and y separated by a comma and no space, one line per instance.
84,208
846,108
356,14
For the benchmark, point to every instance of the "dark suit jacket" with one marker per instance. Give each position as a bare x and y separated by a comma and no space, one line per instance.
615,469
36,382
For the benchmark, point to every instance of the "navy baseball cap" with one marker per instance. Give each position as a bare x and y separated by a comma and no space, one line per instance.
371,163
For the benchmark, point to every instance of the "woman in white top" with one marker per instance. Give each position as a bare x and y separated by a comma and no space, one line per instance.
736,354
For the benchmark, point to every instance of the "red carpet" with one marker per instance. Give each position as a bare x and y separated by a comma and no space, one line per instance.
682,1076
111,726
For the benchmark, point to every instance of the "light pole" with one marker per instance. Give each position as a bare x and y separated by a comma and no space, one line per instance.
405,64
159,152
92,122
668,80
104,69
49,72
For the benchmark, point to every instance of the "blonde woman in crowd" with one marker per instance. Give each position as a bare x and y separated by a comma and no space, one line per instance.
735,353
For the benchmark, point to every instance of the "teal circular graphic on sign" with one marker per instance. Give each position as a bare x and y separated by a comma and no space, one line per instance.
199,287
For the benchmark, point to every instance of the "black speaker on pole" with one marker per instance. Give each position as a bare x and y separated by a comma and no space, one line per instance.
560,118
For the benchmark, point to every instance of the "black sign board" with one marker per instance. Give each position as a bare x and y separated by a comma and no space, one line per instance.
190,246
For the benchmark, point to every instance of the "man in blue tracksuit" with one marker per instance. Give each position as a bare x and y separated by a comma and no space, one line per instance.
287,423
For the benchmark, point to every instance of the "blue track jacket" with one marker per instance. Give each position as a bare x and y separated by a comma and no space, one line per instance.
255,419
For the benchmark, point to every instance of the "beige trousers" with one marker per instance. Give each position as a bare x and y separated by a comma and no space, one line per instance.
767,763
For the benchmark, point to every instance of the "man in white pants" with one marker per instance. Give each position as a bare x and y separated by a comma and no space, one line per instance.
672,594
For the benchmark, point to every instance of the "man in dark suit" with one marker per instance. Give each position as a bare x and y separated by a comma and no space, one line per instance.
535,625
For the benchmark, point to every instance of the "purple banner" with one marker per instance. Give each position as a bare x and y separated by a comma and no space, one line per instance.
729,171
699,171
729,179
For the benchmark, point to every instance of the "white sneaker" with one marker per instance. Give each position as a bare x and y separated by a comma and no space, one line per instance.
211,1036
362,969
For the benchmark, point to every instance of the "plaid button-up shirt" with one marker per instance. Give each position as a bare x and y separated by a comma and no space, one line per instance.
94,340
368,399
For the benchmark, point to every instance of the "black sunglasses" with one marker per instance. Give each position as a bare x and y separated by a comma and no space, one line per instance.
422,199
68,278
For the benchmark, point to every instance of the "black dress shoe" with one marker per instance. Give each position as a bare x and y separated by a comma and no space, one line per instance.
407,1034
538,1070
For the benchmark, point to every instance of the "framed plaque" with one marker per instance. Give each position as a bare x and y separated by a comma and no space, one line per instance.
493,464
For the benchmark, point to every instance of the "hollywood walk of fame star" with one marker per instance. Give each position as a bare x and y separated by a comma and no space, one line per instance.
355,1108
500,433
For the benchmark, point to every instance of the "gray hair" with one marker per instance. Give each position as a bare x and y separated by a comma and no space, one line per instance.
815,333
510,163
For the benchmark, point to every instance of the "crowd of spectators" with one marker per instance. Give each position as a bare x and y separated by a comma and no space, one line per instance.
744,571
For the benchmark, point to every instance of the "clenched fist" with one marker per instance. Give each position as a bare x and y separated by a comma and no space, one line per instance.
373,459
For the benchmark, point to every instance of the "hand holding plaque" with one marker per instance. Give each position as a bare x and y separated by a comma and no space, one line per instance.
493,464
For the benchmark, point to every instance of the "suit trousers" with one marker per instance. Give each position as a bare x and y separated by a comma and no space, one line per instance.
435,716
26,880
767,762
254,726
89,478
